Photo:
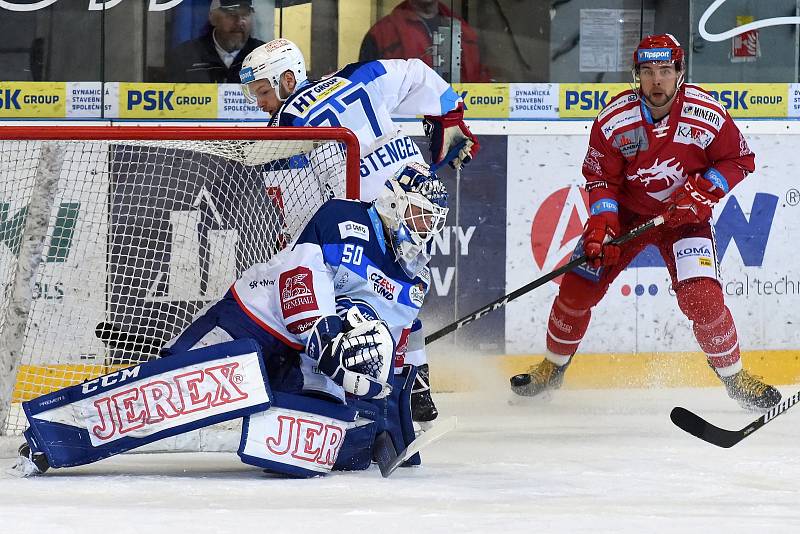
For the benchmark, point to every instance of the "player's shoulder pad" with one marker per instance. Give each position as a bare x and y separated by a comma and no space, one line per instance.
700,108
696,94
623,111
338,220
625,100
311,96
362,72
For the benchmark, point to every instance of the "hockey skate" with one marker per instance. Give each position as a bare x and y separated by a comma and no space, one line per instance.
750,392
29,463
423,410
541,378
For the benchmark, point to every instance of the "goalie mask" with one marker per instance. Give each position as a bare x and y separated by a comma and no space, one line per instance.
413,207
268,62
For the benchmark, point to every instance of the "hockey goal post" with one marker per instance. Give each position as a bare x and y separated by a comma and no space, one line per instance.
113,238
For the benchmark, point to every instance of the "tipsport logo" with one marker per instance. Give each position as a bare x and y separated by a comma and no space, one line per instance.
558,224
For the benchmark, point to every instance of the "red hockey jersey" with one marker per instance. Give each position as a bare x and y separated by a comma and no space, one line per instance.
638,164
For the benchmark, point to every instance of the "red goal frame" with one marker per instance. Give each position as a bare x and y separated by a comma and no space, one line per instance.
200,133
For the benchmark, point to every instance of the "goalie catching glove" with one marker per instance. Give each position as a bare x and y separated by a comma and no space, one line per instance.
357,354
448,131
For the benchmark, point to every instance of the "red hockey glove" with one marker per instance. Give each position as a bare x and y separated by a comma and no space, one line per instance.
448,131
694,202
600,229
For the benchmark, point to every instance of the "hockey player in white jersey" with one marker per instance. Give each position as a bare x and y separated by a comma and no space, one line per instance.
307,347
363,97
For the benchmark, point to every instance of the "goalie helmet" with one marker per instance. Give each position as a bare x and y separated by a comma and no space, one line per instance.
413,207
268,62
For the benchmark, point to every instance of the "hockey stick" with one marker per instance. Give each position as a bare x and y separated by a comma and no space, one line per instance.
699,427
116,338
502,301
388,460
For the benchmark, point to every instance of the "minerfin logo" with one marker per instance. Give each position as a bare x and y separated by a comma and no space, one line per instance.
93,5
654,54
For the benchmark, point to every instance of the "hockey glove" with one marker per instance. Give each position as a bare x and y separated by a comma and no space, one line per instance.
448,131
357,354
600,229
694,202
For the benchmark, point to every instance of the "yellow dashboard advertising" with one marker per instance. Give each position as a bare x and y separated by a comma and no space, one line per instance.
484,100
33,100
167,101
751,100
586,100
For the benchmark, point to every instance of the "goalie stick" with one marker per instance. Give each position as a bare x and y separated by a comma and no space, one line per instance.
389,460
699,427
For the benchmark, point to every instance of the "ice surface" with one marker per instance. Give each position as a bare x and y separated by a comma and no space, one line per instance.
588,461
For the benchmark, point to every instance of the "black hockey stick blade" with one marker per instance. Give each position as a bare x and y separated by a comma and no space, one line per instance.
530,286
115,338
700,428
423,440
384,453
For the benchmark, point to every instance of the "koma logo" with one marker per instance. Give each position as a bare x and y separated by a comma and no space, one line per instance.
693,251
93,5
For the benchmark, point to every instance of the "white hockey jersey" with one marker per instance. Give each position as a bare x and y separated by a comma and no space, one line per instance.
340,255
363,97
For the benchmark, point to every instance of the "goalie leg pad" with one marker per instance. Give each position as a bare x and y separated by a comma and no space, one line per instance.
304,437
393,413
135,406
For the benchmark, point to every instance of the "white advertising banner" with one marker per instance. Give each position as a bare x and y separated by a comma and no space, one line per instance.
754,226
533,101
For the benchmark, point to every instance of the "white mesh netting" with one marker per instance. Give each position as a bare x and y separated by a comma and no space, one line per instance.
132,239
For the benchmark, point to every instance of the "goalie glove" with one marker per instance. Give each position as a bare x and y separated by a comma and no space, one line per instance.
357,354
448,131
694,202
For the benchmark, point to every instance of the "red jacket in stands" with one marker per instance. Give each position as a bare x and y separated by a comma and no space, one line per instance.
403,35
639,164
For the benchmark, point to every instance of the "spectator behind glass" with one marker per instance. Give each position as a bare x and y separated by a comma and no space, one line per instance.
407,32
217,56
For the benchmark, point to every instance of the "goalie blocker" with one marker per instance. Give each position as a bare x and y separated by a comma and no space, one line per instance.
286,433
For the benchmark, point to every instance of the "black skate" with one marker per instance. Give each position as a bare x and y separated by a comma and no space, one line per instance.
546,376
30,463
750,392
423,410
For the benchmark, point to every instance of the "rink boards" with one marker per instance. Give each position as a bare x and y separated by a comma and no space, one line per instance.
517,212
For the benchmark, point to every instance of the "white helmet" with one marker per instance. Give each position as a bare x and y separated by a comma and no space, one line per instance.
413,207
268,62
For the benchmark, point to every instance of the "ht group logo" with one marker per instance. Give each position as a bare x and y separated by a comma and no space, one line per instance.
558,224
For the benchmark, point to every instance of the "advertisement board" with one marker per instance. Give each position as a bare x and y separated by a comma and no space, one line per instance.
547,209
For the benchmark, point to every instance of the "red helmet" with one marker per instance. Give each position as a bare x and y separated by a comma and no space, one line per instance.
662,48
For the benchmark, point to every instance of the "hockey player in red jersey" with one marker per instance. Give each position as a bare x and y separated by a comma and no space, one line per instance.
667,148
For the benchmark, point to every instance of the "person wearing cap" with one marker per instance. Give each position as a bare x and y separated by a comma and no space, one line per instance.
664,148
217,56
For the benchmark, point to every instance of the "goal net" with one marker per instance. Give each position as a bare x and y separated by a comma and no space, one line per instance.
112,239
